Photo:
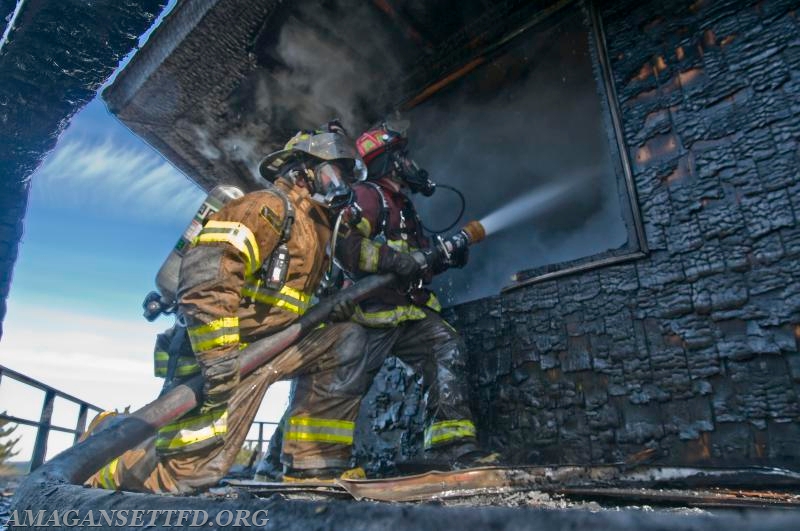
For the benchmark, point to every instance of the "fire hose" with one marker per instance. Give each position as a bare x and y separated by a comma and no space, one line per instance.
79,462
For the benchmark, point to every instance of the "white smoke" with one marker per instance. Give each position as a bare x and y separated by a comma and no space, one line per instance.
307,75
347,72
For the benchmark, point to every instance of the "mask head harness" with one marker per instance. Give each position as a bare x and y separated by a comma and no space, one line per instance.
384,150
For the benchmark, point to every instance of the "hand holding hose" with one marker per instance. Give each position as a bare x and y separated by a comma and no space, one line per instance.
342,310
404,266
220,378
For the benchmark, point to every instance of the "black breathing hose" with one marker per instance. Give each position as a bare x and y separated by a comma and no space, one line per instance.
460,213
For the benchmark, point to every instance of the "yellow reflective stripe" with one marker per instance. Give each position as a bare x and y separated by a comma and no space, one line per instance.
295,294
236,234
320,430
434,304
448,430
187,432
319,437
368,256
322,423
160,362
400,245
364,227
217,333
213,326
220,341
106,475
187,365
391,317
287,298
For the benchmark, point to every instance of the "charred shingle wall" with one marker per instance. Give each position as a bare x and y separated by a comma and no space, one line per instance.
692,351
56,56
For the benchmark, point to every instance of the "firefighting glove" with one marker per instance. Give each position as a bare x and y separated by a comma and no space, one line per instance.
404,266
342,311
221,376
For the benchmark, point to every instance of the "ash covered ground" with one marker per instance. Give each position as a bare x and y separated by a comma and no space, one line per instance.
8,484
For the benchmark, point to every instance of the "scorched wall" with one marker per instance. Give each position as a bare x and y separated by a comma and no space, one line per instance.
693,350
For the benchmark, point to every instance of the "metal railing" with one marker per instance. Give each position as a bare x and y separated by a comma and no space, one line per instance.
260,441
43,425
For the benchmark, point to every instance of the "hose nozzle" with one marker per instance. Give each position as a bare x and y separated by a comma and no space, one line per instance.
451,251
474,231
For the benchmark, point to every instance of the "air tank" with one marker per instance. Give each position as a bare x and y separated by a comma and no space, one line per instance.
167,277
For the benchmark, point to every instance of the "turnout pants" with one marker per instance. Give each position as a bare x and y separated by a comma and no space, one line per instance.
326,352
312,440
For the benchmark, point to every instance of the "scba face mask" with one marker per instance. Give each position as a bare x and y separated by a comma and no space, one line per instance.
331,183
415,177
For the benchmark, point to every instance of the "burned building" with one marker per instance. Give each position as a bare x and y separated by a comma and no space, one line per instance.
646,296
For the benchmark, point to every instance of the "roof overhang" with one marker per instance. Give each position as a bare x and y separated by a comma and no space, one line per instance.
221,83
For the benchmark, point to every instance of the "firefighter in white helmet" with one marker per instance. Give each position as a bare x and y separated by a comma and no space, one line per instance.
251,271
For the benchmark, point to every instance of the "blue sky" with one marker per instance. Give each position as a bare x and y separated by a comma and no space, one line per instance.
103,213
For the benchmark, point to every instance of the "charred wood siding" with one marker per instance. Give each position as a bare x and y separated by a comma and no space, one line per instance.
57,56
692,351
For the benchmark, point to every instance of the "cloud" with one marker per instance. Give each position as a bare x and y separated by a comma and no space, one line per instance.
85,173
103,360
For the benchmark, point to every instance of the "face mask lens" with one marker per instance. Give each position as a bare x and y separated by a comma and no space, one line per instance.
331,186
329,177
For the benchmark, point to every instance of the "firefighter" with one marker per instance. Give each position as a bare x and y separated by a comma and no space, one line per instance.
403,321
251,271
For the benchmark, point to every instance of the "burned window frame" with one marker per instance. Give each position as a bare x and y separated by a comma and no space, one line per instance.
636,247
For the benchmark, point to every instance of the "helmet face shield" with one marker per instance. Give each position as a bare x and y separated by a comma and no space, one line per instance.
328,146
332,185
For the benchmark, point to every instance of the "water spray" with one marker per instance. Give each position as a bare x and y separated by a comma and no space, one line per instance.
534,203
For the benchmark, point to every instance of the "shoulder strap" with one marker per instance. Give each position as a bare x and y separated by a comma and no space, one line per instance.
288,218
420,229
275,267
383,218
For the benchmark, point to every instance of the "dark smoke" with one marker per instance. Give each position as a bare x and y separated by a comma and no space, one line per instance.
531,118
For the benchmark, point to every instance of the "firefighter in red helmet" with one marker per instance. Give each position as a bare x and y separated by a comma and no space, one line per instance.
404,320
